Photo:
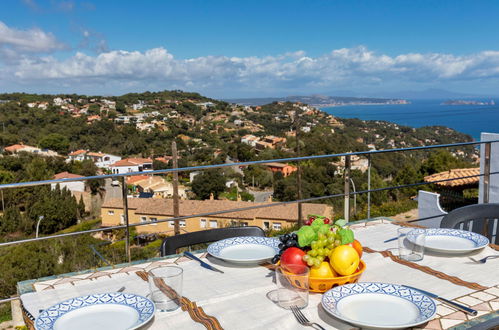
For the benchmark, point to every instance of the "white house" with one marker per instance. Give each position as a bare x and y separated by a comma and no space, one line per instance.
100,159
78,155
250,139
129,165
71,186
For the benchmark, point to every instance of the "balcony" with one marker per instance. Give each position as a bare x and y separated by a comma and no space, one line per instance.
127,221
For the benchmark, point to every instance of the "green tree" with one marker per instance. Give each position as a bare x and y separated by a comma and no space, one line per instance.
88,168
56,142
258,175
208,182
93,109
120,107
58,207
442,161
10,221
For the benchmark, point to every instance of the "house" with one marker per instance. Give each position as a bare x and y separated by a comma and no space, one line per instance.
284,169
205,105
274,140
159,187
261,145
71,186
100,159
78,155
249,139
109,104
15,148
129,165
93,118
151,210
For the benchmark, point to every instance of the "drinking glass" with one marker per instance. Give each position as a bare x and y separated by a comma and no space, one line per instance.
411,251
292,287
165,285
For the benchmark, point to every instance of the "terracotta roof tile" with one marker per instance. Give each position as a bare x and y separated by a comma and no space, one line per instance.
97,154
67,175
15,147
77,152
132,162
455,173
135,178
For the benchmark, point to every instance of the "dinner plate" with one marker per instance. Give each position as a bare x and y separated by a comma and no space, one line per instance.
450,240
114,310
379,305
245,250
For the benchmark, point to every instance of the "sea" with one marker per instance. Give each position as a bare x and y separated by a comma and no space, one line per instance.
468,119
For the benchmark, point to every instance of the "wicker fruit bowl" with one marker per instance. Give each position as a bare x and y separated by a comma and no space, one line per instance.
321,284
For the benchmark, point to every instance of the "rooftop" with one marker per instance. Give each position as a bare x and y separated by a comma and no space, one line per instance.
164,207
454,174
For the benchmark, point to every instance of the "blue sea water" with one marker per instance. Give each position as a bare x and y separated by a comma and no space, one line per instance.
468,119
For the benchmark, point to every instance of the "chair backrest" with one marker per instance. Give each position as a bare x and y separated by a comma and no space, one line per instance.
172,243
479,218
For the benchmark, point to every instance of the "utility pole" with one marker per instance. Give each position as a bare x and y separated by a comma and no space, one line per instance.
298,172
176,207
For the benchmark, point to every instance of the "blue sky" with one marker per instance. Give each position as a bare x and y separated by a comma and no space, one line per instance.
249,48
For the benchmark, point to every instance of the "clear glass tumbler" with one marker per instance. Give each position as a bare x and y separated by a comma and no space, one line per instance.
411,243
165,284
292,287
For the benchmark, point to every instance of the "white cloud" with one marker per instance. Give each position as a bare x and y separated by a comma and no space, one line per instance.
114,71
32,40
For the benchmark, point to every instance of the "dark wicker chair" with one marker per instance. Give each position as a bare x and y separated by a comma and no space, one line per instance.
479,218
171,244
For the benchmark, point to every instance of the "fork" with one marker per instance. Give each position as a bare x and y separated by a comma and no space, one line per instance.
303,320
484,260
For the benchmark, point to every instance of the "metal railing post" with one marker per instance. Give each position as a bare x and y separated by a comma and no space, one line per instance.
124,190
369,186
346,181
486,173
176,203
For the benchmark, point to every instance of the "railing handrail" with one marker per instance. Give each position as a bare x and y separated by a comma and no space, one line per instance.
254,162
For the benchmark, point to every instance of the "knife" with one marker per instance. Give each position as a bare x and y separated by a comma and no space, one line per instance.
455,305
203,264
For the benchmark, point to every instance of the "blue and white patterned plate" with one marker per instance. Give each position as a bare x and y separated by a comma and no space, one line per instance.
450,240
379,305
245,250
114,310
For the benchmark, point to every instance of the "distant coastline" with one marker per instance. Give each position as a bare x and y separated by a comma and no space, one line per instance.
467,102
321,101
342,104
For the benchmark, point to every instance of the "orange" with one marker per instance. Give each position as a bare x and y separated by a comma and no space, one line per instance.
344,259
324,270
357,246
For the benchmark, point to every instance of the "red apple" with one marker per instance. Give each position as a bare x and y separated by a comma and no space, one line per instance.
292,260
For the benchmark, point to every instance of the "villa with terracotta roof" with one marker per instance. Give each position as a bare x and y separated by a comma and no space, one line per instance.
158,186
285,169
129,165
15,148
71,186
150,209
100,159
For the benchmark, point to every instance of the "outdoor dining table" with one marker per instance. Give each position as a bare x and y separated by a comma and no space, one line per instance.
241,297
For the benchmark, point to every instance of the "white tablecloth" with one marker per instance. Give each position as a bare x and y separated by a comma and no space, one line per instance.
239,298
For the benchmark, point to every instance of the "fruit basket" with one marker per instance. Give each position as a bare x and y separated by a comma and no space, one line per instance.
321,284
